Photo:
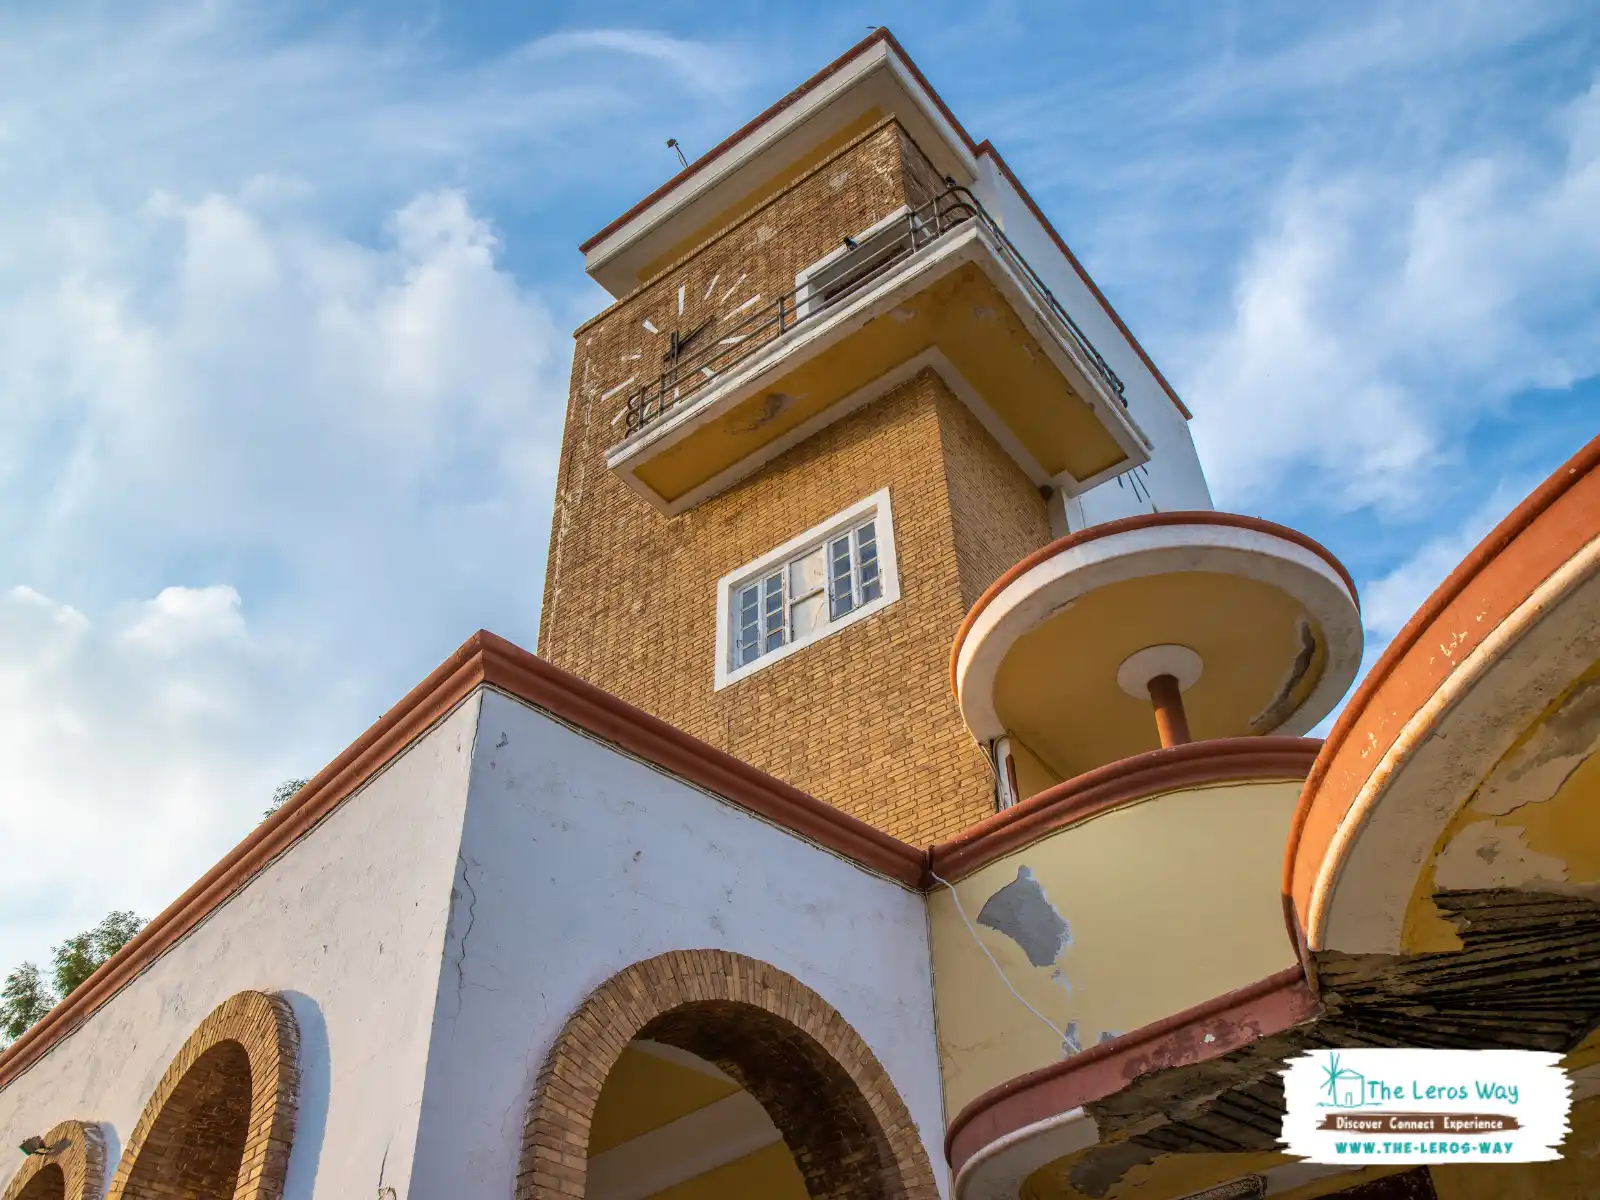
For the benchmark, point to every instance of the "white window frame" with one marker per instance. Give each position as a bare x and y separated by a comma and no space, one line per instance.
875,508
806,282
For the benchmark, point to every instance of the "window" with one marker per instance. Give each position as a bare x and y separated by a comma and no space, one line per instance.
867,253
811,586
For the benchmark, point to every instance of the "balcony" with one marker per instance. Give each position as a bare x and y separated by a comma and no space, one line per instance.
938,286
1111,925
1255,626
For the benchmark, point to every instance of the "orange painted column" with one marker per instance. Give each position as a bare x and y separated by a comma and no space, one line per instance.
1171,721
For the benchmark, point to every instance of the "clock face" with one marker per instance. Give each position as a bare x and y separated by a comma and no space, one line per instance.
693,335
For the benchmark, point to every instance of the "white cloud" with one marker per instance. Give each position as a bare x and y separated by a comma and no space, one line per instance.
280,423
1378,318
1389,601
182,618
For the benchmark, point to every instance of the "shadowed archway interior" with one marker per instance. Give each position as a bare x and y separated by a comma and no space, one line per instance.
196,1145
764,1034
823,1117
49,1184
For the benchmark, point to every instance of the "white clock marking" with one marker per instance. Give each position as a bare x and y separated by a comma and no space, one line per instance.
753,299
731,290
712,286
650,325
604,396
680,298
631,357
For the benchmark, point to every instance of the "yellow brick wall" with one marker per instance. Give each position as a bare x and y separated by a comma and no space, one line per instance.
998,513
862,719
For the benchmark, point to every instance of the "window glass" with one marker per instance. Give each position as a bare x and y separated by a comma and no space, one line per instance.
841,595
747,622
869,585
773,610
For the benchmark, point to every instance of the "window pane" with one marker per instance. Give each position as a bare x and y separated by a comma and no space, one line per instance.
841,596
808,573
806,615
773,611
871,587
747,625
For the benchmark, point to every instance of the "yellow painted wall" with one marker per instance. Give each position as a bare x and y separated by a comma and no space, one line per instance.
769,1173
1533,822
1576,1175
644,1092
1170,901
1034,775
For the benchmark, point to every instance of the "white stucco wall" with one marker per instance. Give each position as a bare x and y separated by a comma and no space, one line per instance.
577,861
1173,475
350,924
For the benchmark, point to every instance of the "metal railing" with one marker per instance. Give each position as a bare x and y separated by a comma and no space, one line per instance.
721,348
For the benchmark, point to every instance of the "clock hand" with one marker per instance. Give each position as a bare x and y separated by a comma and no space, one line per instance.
680,340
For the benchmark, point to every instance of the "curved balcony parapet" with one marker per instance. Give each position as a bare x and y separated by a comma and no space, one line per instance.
1109,902
1260,626
1468,761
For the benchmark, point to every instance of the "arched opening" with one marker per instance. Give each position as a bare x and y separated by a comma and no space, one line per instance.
196,1145
702,1075
50,1183
220,1123
71,1166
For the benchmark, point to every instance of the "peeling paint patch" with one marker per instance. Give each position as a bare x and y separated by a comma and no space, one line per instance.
1283,704
1488,855
1023,912
1558,746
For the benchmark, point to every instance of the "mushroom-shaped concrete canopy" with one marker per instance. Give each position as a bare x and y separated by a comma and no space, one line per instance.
1256,625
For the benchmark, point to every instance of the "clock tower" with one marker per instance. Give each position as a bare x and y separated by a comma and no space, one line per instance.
851,376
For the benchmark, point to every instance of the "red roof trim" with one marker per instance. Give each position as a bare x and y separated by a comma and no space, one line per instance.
484,660
881,35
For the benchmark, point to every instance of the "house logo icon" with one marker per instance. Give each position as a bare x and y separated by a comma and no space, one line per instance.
1342,1087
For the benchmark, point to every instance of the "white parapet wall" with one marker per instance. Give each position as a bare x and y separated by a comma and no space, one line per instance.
580,861
349,925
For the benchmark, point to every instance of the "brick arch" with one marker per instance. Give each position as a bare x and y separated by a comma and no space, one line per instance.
221,1120
848,1129
71,1167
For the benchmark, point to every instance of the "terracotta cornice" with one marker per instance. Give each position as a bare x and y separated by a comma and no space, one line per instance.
484,660
529,678
1128,525
728,143
1193,764
986,149
1206,1031
1409,668
982,149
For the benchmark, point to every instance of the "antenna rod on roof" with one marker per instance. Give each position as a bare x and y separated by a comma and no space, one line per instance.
672,144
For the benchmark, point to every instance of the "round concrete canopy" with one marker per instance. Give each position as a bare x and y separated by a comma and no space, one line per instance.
1271,615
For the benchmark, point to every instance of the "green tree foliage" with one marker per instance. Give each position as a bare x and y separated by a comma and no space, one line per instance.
283,793
23,1000
26,996
78,957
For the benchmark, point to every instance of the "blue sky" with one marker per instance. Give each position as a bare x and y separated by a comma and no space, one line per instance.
286,298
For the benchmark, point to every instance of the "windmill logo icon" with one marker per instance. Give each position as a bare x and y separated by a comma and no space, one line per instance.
1342,1087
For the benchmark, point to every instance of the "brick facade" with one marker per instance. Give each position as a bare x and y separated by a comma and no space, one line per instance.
221,1120
848,1129
71,1167
863,719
